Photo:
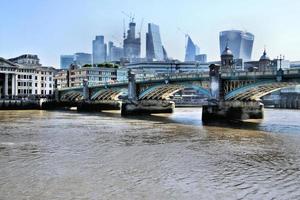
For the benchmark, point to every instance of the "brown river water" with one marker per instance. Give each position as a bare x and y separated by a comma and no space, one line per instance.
71,155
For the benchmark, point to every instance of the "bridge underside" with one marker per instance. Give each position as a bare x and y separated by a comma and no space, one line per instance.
164,92
254,92
73,96
108,94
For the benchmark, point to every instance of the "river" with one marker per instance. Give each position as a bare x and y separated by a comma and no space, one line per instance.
70,155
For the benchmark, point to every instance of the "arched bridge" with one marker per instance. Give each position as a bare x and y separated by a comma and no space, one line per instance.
221,88
159,88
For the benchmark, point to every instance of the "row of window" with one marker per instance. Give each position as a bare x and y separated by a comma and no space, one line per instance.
46,73
102,73
29,84
29,91
24,76
36,78
6,69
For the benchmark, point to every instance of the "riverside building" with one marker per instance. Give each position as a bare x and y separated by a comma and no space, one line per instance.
24,76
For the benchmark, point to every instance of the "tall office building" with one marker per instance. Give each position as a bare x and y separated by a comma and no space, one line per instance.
191,50
132,45
66,61
82,59
99,50
240,43
116,53
110,45
165,54
201,58
154,48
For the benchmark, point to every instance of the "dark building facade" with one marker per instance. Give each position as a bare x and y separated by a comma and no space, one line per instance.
132,45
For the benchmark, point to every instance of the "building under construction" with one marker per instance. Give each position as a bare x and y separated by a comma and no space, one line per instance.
132,45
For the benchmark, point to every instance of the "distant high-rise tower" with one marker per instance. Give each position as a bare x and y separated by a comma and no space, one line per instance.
154,48
191,50
82,59
132,45
99,50
66,61
240,43
110,46
165,54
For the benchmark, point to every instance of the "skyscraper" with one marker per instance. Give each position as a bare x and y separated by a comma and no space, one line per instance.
154,48
110,45
191,50
99,50
240,43
82,58
132,45
66,61
116,53
201,58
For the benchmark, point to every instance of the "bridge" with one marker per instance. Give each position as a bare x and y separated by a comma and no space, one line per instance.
232,95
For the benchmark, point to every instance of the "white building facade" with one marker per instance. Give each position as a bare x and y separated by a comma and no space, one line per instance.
24,76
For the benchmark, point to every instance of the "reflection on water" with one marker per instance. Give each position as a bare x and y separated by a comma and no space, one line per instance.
70,155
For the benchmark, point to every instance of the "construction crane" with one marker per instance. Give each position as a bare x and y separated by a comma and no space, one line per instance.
117,39
131,17
186,35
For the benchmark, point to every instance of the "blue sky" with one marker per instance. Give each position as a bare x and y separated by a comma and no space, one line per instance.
50,28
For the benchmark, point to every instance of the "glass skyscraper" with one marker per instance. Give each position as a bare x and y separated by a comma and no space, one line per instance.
154,48
82,58
239,42
191,50
66,61
99,50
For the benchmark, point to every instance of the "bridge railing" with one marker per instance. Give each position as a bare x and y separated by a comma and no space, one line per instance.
191,76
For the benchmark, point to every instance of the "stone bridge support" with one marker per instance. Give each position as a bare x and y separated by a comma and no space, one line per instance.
219,109
132,105
232,110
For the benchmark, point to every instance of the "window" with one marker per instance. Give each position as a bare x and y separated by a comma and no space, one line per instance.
42,85
35,91
35,77
36,85
42,78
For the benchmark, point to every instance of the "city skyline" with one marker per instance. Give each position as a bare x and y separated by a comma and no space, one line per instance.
60,32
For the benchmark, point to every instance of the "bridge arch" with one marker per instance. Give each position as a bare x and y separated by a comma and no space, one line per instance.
257,90
107,94
72,96
163,92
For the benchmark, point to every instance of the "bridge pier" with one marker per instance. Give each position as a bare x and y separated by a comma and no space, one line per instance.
145,107
233,110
